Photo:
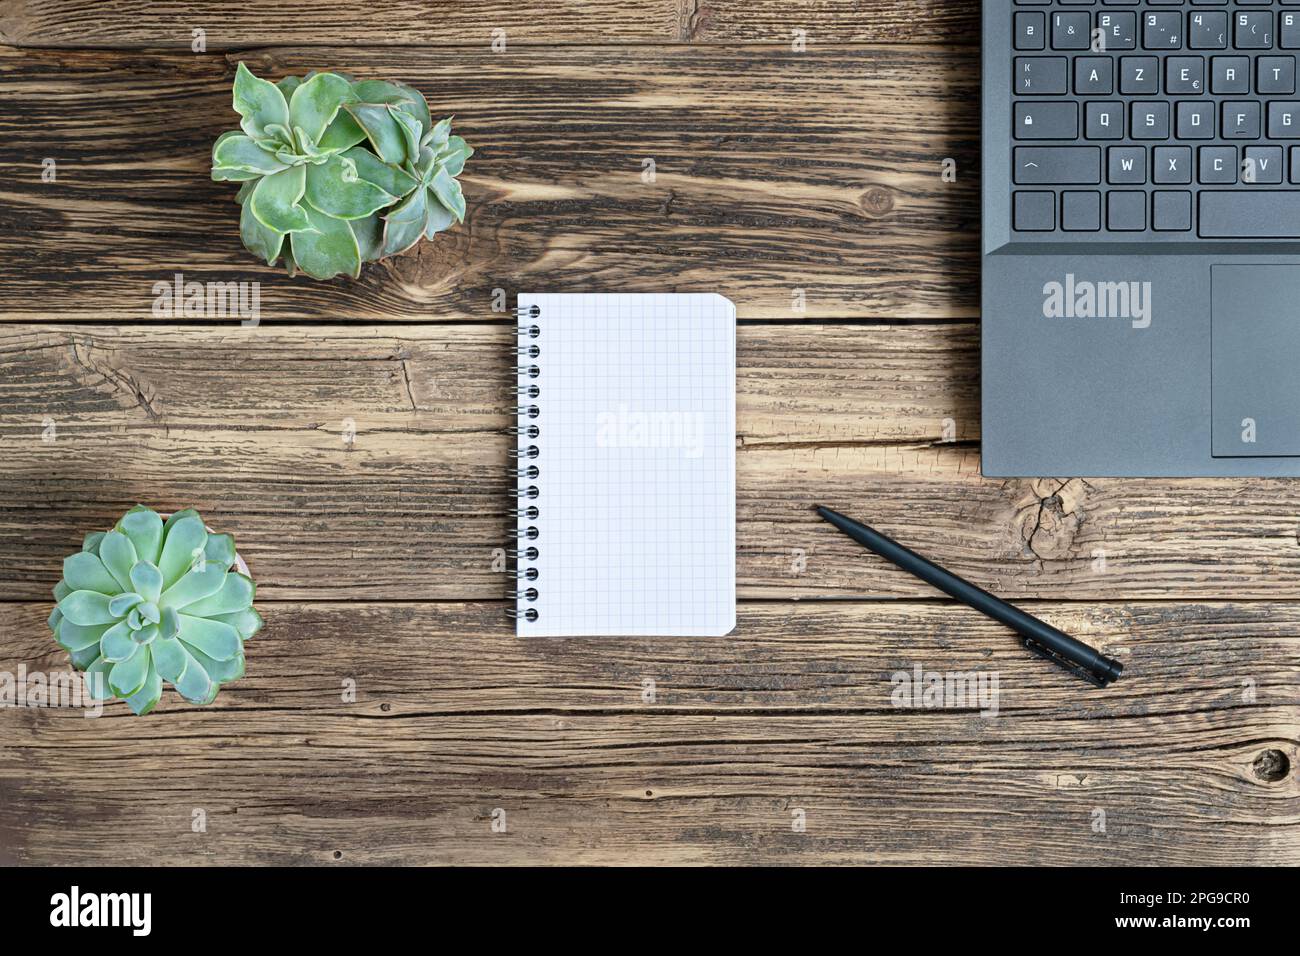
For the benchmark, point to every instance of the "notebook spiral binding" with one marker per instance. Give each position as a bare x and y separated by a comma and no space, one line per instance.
524,469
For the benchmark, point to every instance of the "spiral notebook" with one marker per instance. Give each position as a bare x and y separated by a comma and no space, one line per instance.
625,465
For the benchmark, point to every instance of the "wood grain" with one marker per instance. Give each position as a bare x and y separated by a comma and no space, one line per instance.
248,425
128,24
802,186
455,718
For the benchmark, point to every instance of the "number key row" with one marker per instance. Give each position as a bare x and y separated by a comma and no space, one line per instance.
1157,30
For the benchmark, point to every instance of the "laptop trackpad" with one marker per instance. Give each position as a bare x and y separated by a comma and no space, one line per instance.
1255,389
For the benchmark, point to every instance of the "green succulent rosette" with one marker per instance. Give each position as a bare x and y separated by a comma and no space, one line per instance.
350,172
153,601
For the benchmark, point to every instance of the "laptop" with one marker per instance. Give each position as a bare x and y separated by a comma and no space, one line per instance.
1141,238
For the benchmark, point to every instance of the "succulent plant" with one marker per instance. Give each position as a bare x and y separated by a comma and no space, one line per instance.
350,172
155,600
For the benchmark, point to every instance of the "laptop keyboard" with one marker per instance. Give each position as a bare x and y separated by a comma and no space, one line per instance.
1170,118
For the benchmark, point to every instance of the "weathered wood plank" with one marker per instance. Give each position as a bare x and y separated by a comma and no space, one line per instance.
1191,756
170,25
249,425
800,185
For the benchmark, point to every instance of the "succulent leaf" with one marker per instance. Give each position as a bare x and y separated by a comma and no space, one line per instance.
335,189
381,130
147,580
84,571
275,201
218,640
116,644
87,608
342,134
287,85
150,692
235,594
316,101
97,678
170,625
122,603
220,549
258,102
404,224
145,529
194,684
127,676
118,554
235,152
91,542
258,239
448,192
74,637
437,218
247,622
370,237
391,179
330,248
170,658
184,544
410,127
193,586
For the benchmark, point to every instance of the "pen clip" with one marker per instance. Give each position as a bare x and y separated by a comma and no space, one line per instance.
1077,669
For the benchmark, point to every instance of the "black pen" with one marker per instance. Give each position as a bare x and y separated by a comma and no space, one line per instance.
1043,639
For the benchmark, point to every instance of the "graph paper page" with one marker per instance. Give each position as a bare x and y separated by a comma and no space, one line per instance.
635,527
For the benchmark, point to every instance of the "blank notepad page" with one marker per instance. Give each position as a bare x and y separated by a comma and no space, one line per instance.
633,441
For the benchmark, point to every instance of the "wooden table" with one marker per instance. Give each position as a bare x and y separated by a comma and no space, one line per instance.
807,185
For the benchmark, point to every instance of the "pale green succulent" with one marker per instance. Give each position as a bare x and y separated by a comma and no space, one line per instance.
350,171
151,601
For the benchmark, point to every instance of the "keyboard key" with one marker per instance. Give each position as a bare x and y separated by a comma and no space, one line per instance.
1218,165
1057,164
1045,119
1241,120
1253,30
1070,31
1034,211
1116,30
1194,120
1247,214
1150,121
1126,165
1162,31
1172,211
1093,75
1139,75
1172,165
1263,165
1041,75
1289,31
1031,31
1184,74
1284,120
1103,120
1126,211
1276,74
1295,164
1207,30
1080,211
1229,74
